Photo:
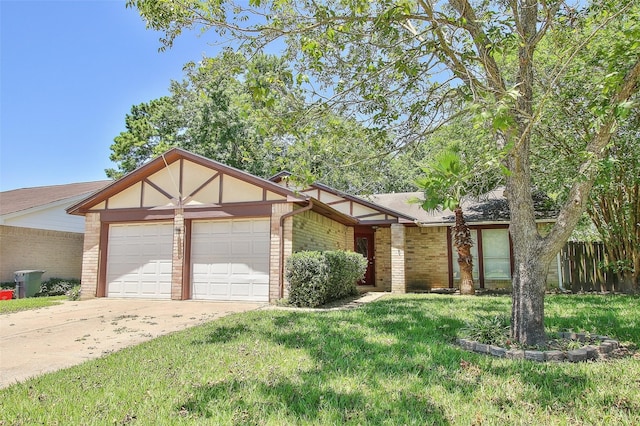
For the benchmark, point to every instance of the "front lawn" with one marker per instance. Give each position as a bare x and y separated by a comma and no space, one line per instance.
388,362
15,305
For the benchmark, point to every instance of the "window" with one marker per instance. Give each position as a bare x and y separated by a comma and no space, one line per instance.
496,254
491,255
474,253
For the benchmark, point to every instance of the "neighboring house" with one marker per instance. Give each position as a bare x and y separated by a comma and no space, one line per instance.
186,227
37,233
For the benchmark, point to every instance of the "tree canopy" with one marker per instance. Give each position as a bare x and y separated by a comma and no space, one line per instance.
250,114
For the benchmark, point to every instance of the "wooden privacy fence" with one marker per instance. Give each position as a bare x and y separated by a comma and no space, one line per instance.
581,268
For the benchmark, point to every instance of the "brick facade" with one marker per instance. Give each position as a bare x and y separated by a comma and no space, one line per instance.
58,253
398,281
91,256
427,258
312,231
383,259
277,211
177,262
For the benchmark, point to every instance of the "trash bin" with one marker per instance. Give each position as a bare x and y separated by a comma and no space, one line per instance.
28,283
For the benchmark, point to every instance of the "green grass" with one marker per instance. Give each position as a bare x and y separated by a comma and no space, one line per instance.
15,305
388,362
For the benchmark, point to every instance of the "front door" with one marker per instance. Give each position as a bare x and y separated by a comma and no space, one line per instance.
364,244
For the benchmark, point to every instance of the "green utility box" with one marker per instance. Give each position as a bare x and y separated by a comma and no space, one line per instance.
28,283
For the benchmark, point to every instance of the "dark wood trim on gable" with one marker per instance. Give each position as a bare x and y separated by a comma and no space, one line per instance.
201,187
168,158
220,189
157,188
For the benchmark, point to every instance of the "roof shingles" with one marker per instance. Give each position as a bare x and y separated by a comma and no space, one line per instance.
26,198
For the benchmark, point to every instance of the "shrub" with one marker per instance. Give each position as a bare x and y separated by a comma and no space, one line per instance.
488,330
307,273
316,278
74,293
345,269
57,286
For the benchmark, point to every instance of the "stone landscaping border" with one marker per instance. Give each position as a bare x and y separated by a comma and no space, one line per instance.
605,349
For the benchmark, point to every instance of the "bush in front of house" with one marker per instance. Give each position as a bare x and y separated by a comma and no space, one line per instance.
316,278
345,270
57,286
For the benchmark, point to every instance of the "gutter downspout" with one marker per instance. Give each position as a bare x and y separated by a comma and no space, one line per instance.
281,233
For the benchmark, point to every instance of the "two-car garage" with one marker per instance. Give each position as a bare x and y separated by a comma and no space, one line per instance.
229,260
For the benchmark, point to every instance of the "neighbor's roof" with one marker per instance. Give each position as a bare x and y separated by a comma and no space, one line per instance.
490,208
27,198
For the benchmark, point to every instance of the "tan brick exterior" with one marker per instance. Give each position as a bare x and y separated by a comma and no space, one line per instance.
91,256
58,253
383,259
398,282
177,266
277,211
426,258
312,231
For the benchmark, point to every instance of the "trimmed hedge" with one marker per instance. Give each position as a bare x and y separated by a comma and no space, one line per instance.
316,278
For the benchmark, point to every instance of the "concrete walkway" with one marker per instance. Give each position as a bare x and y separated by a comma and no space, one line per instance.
48,339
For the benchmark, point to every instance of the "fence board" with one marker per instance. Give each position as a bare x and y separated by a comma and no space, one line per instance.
580,264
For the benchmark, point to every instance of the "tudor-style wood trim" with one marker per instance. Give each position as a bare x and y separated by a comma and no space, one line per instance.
220,186
201,187
168,158
157,188
181,178
333,203
251,210
186,261
142,187
101,288
364,216
135,215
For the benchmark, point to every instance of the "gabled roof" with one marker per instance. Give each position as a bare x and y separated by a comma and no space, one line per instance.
402,216
168,158
490,208
23,199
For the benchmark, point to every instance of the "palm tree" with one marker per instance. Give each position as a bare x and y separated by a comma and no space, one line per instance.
445,183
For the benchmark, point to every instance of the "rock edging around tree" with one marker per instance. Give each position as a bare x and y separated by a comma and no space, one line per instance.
606,348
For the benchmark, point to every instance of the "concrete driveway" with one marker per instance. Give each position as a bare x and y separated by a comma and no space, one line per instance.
48,339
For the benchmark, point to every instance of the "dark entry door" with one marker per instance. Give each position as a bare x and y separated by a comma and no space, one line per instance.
364,244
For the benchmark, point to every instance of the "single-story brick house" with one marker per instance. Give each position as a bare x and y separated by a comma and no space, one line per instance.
186,227
37,233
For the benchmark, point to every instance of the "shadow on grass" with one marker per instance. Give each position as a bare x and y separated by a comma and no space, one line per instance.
397,351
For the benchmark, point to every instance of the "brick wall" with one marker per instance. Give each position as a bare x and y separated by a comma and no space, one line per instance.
426,258
58,253
398,281
383,259
277,211
312,231
177,267
91,256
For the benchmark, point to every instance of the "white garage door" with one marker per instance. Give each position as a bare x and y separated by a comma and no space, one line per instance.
139,260
230,260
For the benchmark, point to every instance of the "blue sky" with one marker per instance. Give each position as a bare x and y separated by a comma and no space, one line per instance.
69,73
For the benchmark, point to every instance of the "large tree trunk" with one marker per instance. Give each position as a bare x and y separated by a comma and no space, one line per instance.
529,282
463,242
